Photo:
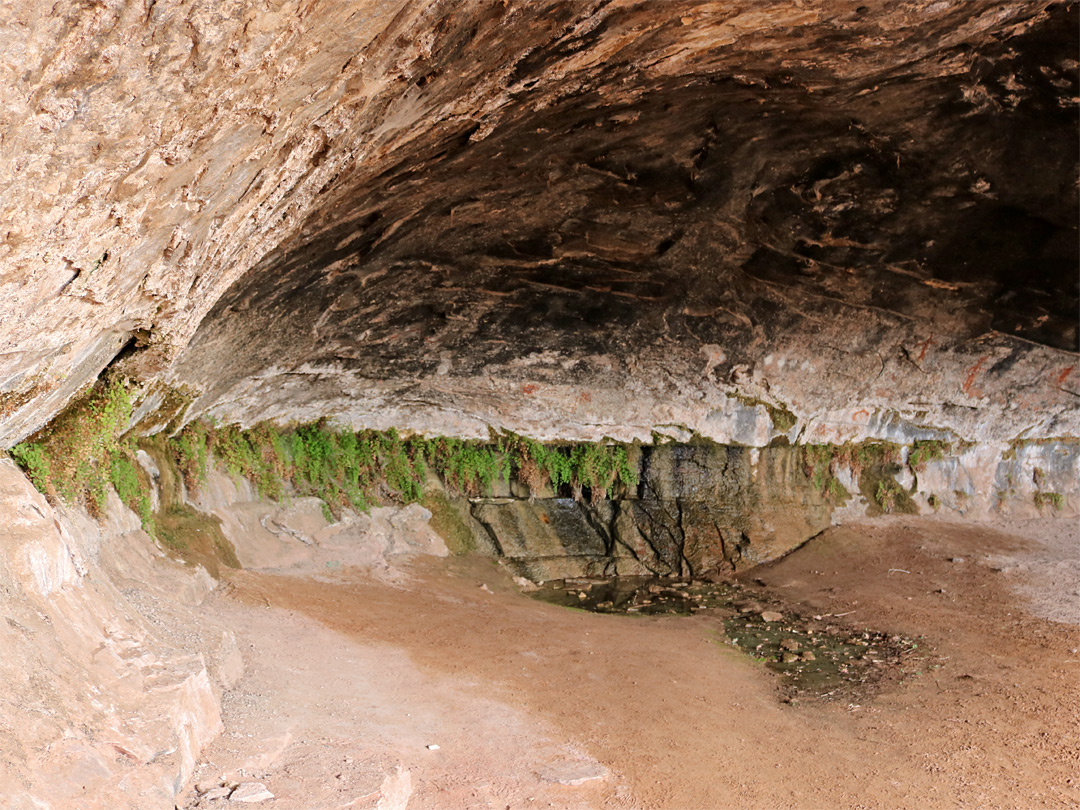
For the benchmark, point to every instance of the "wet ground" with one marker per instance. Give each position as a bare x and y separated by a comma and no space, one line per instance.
815,656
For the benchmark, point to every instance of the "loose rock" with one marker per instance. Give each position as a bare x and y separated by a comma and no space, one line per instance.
771,616
573,773
251,792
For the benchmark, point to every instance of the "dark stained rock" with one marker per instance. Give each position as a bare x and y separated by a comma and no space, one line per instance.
755,221
699,510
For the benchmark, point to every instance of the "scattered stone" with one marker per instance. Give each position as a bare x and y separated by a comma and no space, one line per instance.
433,747
789,658
484,587
771,616
583,595
808,656
956,559
654,589
573,773
216,793
251,792
789,644
525,584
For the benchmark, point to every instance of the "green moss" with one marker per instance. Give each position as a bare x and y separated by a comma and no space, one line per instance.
783,419
195,538
835,492
448,523
1019,444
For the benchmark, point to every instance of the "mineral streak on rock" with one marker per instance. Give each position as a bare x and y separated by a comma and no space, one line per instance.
567,218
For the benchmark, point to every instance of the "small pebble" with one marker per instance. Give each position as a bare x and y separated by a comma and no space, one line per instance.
433,747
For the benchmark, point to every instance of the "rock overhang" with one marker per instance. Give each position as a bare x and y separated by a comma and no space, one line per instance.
569,219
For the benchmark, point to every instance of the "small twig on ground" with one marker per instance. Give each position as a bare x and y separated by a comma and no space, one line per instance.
899,570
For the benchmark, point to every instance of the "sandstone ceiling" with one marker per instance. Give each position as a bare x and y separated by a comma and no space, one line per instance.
573,219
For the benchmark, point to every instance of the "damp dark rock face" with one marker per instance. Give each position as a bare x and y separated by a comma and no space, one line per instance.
698,510
803,220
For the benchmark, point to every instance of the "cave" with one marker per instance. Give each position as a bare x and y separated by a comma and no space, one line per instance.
366,365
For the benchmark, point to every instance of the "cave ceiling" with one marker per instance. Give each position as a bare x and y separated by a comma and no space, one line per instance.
575,218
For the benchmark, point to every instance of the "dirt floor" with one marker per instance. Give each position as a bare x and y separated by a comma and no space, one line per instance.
351,681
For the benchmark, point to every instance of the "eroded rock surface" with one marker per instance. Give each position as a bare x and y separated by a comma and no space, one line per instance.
101,708
571,219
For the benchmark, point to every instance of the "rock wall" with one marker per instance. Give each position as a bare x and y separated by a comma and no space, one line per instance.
112,673
567,219
710,510
102,707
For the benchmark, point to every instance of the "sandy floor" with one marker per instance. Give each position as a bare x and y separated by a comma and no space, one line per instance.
349,681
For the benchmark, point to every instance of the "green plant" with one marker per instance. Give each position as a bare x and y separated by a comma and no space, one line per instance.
1054,499
83,451
598,467
888,494
70,459
819,462
470,467
191,450
869,455
129,481
925,450
401,464
31,457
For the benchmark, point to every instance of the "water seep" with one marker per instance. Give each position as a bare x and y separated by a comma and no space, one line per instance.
813,656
